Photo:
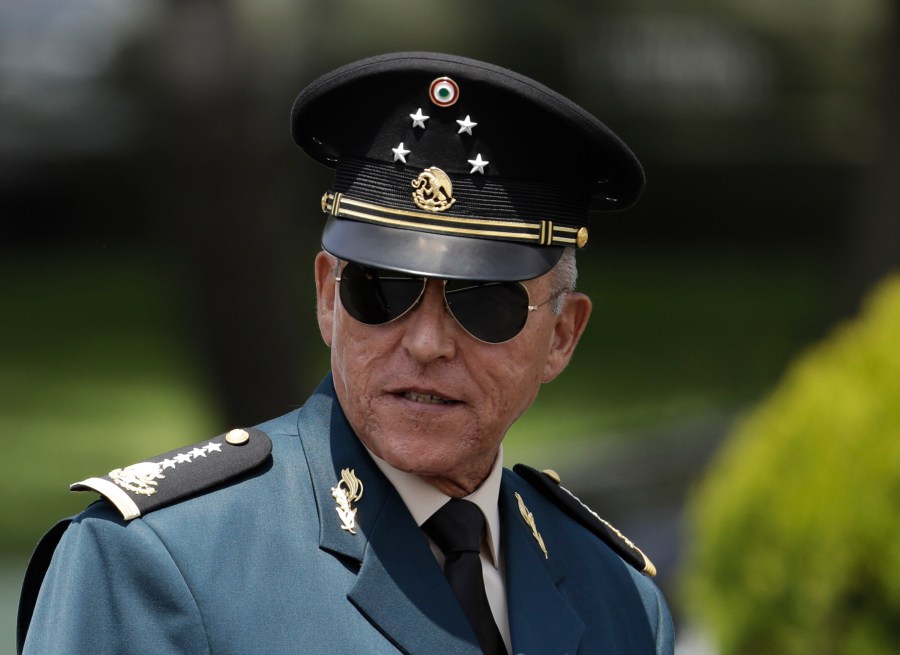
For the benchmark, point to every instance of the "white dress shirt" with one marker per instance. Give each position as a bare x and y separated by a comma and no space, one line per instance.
423,500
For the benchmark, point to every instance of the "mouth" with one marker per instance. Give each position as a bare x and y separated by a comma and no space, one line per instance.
427,398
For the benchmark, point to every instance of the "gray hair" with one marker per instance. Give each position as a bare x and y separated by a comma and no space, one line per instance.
563,277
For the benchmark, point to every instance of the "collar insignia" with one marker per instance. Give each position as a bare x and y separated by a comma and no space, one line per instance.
529,521
349,489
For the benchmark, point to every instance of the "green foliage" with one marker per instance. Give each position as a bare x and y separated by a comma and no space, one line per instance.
796,528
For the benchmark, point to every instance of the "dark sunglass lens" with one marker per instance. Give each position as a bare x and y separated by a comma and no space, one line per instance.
490,311
374,296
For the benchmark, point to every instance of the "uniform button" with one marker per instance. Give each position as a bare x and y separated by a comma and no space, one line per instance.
553,475
237,437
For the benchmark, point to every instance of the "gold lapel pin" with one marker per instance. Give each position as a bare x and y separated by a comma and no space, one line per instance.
529,520
349,489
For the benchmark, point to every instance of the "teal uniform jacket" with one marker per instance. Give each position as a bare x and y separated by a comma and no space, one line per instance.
262,565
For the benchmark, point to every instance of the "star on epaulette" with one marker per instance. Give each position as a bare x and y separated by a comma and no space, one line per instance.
149,485
548,483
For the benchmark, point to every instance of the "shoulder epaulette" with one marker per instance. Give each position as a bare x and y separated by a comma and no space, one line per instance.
149,485
548,483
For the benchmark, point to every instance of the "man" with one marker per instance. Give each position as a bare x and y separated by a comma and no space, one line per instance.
378,517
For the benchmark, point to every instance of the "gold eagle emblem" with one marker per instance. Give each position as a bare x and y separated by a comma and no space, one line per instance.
433,190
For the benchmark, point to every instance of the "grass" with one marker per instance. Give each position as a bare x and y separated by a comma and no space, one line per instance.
94,372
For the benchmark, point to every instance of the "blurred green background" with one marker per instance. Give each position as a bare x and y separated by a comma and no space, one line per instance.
794,549
158,227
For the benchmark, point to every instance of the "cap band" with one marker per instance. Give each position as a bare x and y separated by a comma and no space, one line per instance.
541,232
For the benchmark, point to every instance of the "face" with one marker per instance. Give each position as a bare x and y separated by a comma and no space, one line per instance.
427,397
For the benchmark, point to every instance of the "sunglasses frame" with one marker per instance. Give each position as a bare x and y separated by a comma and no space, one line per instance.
530,308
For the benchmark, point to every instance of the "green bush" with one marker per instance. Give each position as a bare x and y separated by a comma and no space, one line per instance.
796,529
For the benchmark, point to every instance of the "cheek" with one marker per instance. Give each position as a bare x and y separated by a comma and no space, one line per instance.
531,359
353,355
527,387
515,379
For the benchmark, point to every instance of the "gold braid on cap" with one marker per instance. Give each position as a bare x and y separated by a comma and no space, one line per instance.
544,233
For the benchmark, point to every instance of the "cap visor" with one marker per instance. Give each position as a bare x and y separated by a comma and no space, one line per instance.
436,255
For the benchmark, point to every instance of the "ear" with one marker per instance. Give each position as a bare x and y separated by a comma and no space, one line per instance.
567,331
325,295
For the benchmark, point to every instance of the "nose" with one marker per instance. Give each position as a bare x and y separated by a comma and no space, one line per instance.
429,329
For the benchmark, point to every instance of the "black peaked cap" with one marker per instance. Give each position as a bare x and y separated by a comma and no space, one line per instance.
455,168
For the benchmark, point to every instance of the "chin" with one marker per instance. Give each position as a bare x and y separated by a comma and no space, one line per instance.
419,463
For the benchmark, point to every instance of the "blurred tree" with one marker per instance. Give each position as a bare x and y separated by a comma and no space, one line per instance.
873,229
795,528
224,199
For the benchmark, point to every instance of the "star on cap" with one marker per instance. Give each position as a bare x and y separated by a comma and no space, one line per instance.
418,119
400,153
466,125
478,164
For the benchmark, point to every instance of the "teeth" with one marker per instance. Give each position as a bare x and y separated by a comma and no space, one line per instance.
424,398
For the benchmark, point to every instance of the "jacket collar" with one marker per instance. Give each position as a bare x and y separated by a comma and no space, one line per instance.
541,620
400,587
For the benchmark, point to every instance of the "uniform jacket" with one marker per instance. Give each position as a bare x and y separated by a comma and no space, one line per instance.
262,565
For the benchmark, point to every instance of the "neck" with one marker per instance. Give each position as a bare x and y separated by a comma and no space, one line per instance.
459,486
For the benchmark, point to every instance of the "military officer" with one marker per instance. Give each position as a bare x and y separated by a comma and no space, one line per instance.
378,517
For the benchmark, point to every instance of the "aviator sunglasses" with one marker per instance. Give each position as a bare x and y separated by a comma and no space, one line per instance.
492,312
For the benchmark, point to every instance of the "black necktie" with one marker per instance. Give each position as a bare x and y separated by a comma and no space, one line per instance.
456,528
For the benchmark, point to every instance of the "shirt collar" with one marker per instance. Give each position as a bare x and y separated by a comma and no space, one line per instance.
423,500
